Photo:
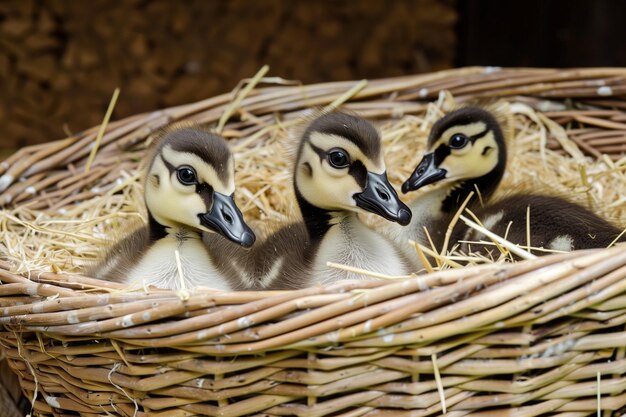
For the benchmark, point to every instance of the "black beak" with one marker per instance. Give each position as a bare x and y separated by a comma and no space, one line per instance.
425,173
226,219
380,198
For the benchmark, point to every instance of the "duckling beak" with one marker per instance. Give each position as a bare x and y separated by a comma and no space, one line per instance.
425,173
226,219
380,198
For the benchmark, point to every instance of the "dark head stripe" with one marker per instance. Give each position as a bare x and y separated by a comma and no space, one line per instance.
319,151
443,150
209,147
477,136
441,153
356,169
205,191
352,128
171,168
463,117
359,173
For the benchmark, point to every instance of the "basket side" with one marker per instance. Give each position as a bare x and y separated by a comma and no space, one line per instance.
12,402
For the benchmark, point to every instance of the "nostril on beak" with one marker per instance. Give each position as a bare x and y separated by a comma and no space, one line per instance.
382,194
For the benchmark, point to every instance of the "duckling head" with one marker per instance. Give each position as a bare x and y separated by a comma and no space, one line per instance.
466,145
190,184
340,167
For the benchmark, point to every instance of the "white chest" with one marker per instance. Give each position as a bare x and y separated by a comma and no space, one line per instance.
353,244
426,211
159,266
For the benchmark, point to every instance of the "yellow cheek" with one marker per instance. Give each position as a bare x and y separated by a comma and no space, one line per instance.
170,207
327,191
468,149
333,172
181,188
469,165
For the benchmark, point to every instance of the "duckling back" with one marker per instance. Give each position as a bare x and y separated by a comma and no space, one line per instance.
280,261
117,262
554,224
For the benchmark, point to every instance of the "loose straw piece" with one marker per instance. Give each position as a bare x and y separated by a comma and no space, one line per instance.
617,238
423,259
120,352
453,223
477,220
432,246
511,247
480,196
440,259
528,246
365,271
183,293
584,178
126,394
103,127
240,96
345,96
442,396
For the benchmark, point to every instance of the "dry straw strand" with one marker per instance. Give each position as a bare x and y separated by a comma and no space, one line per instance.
240,96
102,129
508,245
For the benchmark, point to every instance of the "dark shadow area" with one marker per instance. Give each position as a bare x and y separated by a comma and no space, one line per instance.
541,33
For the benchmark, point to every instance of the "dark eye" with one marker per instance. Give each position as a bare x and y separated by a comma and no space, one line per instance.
458,141
186,175
338,158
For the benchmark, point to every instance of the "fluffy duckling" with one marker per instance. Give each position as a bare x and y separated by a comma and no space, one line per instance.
466,152
189,190
339,172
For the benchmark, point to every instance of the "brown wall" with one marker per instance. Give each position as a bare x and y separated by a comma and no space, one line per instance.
60,60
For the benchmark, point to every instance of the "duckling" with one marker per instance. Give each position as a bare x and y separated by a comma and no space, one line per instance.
466,152
189,189
339,172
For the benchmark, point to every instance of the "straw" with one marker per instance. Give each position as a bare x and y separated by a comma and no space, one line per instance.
102,129
505,243
240,96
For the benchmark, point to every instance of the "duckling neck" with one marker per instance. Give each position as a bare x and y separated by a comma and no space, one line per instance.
483,188
157,230
317,220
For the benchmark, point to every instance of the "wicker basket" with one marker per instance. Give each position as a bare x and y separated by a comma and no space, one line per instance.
539,337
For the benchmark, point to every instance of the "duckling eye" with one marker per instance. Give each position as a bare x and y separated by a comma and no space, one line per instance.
186,176
337,158
457,141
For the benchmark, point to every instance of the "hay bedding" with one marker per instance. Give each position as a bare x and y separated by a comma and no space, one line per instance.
401,347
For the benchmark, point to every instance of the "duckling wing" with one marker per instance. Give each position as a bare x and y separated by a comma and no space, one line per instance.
280,261
556,224
122,256
284,259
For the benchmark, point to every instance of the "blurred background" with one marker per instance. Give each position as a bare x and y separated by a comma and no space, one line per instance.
60,60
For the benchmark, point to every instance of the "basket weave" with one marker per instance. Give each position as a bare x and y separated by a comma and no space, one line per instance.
539,337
